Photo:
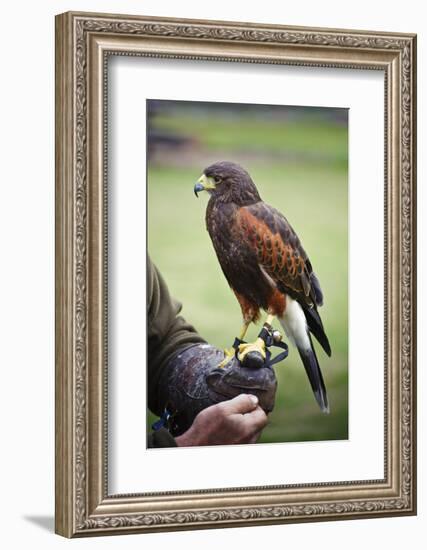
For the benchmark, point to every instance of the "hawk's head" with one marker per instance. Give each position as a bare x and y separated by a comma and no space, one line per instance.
228,182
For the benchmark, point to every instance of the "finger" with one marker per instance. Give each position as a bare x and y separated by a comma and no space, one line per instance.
241,404
256,420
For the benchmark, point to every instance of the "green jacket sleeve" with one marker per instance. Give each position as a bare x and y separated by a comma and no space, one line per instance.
167,332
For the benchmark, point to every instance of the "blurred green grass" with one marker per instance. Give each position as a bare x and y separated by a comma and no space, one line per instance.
312,194
271,136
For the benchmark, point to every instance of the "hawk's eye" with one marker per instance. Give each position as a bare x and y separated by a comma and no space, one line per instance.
217,179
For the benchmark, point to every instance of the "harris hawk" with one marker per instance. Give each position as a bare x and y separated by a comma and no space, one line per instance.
265,265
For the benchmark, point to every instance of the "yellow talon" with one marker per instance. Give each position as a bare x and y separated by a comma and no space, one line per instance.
257,346
228,356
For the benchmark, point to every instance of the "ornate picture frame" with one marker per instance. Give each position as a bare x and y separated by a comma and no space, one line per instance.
84,42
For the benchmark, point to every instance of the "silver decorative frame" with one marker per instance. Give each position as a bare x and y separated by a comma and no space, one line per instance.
83,42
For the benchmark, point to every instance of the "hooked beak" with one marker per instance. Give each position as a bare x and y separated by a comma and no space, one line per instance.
197,188
203,184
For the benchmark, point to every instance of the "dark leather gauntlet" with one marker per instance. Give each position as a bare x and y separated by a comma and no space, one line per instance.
193,381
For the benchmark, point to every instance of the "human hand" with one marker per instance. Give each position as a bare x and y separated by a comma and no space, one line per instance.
239,420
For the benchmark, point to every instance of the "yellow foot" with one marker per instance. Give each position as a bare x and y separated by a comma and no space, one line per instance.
228,356
253,353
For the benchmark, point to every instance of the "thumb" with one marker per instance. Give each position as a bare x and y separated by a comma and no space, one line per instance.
241,404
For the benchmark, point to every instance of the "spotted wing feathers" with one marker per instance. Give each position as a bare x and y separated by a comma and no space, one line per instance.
279,252
284,260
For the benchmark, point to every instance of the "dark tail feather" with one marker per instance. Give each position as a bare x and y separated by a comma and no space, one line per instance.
315,325
314,374
316,287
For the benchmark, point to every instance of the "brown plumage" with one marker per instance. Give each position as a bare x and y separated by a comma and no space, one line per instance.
264,262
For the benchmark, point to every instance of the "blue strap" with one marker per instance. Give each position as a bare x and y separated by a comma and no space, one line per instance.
162,422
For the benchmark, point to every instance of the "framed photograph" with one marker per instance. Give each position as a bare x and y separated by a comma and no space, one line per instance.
235,274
